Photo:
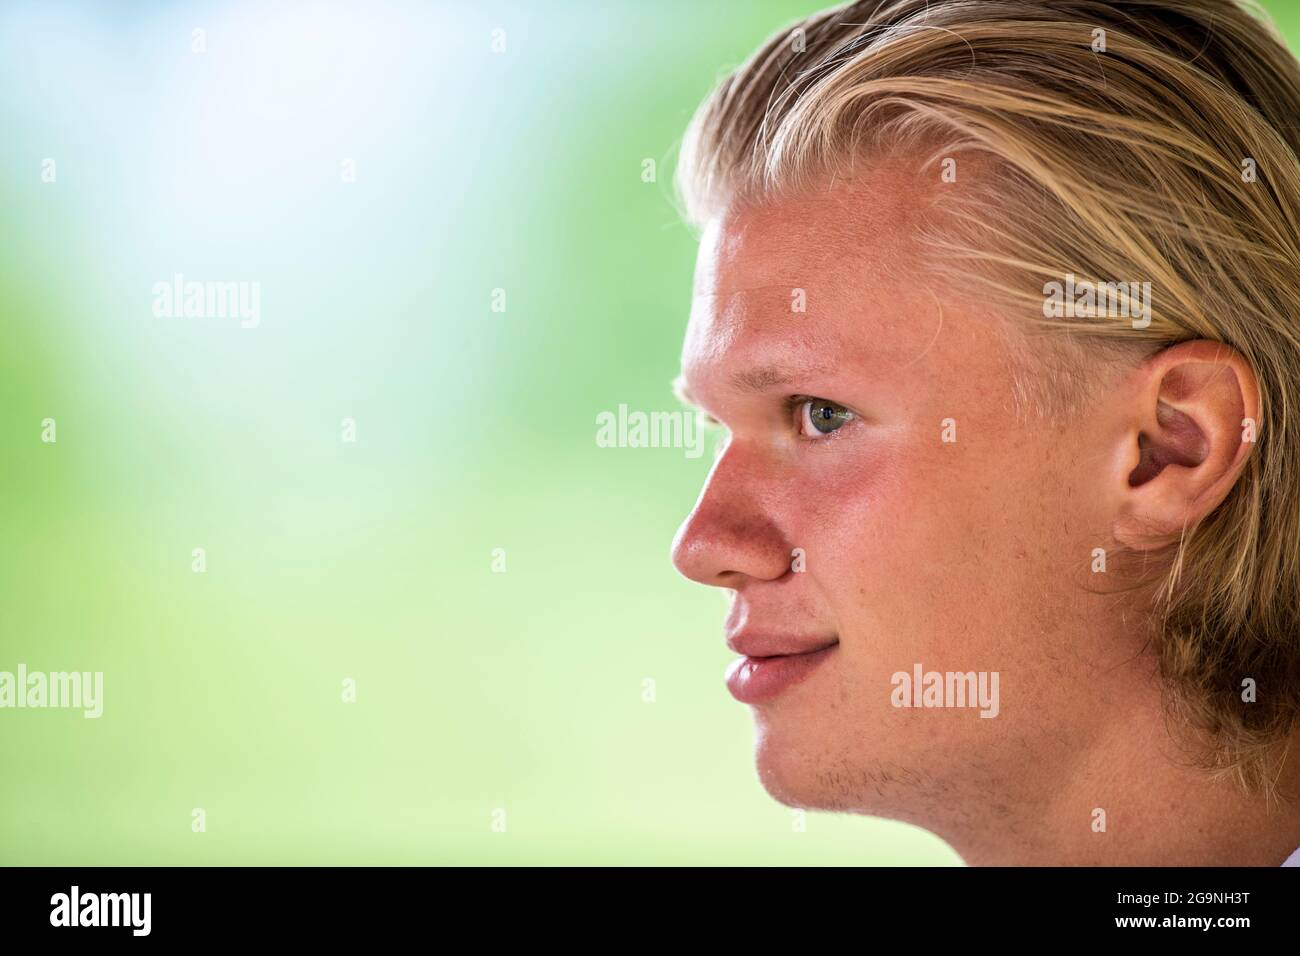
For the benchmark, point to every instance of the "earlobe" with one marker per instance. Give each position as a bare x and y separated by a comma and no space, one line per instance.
1187,440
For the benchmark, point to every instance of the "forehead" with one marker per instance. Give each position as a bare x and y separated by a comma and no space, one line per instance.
833,271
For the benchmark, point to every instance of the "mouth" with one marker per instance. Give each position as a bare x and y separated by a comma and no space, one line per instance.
755,680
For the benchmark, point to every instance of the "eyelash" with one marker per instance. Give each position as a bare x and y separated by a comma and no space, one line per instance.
794,411
707,420
793,404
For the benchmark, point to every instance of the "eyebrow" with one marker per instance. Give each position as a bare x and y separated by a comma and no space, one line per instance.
761,378
757,379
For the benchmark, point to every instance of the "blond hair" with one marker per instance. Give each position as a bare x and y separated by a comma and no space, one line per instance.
1153,140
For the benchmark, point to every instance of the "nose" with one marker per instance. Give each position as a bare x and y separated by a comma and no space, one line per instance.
731,535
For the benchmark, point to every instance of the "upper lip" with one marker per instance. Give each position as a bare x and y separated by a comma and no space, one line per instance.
755,644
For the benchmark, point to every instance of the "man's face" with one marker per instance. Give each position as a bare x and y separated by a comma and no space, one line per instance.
961,555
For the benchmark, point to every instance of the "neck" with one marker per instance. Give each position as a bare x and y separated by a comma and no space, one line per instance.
1127,773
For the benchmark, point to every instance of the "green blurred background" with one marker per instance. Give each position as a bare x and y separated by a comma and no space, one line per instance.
476,691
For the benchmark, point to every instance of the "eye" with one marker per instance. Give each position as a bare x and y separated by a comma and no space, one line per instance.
818,417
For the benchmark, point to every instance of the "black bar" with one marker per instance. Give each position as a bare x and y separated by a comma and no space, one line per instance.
235,904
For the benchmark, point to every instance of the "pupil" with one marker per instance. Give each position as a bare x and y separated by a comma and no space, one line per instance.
825,413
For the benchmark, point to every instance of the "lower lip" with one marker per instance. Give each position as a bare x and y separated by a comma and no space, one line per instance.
753,680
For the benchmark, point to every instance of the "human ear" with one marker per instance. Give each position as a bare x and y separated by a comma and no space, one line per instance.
1187,438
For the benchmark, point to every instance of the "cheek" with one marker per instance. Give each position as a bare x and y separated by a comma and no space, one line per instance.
852,509
836,502
925,550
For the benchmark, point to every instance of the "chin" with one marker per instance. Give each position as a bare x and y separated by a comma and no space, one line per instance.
788,769
797,769
792,791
